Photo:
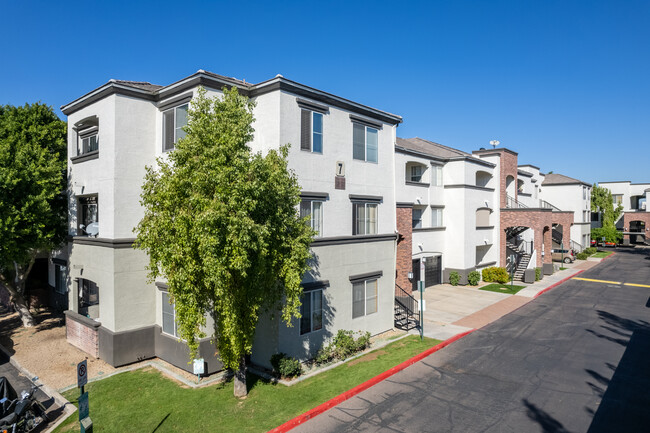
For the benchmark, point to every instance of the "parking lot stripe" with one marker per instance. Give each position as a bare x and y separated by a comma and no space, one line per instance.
598,281
636,285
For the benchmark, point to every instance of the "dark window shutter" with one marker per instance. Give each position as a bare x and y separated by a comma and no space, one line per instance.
305,130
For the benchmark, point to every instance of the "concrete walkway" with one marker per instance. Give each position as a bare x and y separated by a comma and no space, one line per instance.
451,310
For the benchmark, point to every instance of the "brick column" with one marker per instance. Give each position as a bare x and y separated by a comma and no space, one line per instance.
404,254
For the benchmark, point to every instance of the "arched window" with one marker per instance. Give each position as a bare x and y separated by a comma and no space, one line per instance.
416,172
482,178
483,217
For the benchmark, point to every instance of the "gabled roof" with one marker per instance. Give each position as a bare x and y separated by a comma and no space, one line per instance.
560,179
142,85
160,94
430,148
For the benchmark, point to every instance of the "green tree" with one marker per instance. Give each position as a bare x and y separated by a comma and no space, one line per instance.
602,201
32,203
221,226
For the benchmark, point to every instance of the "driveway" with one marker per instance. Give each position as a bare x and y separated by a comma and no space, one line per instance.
573,360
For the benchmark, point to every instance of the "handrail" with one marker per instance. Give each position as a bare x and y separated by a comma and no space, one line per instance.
546,205
407,305
512,203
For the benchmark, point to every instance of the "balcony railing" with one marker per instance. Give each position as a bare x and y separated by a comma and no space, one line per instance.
512,203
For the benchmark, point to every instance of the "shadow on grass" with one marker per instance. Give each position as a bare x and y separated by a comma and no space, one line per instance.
160,423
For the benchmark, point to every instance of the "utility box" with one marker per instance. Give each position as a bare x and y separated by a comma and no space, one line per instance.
529,276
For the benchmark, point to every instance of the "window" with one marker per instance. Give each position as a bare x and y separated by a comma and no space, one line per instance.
364,218
174,120
88,298
311,311
436,217
364,298
311,131
417,217
364,142
60,279
169,325
88,217
87,135
436,175
313,209
483,178
584,193
482,217
617,198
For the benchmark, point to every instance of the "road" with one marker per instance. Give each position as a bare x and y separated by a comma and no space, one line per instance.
576,359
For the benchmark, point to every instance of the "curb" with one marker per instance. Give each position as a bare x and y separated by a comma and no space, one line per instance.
557,284
611,255
365,385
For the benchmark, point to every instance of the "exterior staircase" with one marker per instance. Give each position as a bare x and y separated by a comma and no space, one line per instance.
407,314
523,259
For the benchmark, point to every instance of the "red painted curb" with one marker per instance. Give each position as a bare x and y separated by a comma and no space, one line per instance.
558,283
365,385
611,255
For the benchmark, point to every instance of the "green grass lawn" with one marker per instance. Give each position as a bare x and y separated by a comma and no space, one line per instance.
502,288
146,401
602,254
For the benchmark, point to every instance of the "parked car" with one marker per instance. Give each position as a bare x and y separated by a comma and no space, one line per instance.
566,256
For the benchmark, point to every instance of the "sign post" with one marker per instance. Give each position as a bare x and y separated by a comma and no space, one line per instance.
86,424
421,288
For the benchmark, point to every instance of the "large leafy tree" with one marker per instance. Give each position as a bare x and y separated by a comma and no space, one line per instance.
221,226
602,201
32,203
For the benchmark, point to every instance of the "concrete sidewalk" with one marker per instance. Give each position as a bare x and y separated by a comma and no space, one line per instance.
451,310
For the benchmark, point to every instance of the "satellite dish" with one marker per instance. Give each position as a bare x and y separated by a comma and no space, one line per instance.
93,229
494,143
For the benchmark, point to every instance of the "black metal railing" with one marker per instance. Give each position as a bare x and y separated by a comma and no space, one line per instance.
407,313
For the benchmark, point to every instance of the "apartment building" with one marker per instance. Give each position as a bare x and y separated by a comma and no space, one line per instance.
462,212
343,155
635,220
447,205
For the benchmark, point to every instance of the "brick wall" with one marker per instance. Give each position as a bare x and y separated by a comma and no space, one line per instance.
628,217
404,262
508,168
565,219
82,336
541,221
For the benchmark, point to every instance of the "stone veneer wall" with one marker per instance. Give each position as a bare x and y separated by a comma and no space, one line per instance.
404,259
82,333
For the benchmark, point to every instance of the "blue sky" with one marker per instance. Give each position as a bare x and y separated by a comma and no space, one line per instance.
566,84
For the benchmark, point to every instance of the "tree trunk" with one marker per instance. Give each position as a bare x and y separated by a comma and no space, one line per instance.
240,380
20,305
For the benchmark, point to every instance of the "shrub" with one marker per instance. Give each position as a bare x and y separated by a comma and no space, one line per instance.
343,346
286,366
582,256
591,250
495,274
473,278
454,278
538,274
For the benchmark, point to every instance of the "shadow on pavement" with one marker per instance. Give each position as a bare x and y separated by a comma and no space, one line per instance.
625,403
545,421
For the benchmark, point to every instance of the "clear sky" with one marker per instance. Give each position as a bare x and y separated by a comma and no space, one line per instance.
565,83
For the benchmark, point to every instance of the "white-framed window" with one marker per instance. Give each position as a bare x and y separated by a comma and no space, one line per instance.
436,175
89,144
88,215
174,120
417,217
60,279
87,135
314,210
311,311
364,142
584,193
436,217
364,217
311,135
617,198
364,298
169,325
416,173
